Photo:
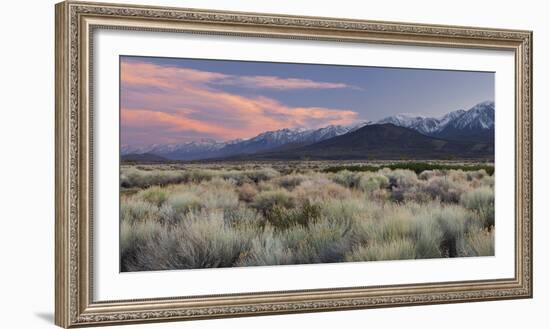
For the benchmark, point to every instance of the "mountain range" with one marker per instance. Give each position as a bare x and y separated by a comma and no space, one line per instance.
458,134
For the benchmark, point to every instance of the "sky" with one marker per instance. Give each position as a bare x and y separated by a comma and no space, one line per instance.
176,100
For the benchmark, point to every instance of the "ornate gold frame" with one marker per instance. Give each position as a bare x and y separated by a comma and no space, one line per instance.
75,23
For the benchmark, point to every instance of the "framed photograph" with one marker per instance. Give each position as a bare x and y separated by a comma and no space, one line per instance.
219,164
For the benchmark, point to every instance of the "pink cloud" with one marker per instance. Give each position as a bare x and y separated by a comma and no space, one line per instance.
180,102
272,82
172,122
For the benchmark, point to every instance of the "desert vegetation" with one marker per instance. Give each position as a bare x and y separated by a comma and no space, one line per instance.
176,216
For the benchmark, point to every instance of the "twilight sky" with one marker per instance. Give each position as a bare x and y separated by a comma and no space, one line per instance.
171,100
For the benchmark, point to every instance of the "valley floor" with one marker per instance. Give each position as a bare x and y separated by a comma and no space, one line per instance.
219,214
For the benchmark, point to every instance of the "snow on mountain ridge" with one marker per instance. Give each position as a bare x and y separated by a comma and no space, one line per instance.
479,117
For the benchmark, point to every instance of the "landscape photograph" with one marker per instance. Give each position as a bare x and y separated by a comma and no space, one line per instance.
229,163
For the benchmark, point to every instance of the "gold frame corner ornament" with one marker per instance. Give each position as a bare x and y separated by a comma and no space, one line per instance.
75,23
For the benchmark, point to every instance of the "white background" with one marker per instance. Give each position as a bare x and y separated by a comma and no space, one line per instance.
26,173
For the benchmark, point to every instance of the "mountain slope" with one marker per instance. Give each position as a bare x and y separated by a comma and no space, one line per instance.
383,142
477,124
142,157
269,140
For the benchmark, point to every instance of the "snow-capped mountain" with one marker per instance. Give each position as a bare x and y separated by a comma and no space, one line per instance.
207,148
418,123
270,140
189,150
481,116
451,116
476,124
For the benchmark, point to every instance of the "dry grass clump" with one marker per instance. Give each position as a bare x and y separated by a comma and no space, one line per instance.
184,217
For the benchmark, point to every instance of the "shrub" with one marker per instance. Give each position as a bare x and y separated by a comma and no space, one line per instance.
204,240
482,201
199,240
452,221
480,243
266,201
267,249
325,241
427,235
133,177
134,239
476,175
320,189
347,178
155,195
383,224
262,174
444,189
427,174
488,181
243,218
247,192
184,201
400,177
346,212
289,182
199,175
386,250
283,218
218,194
417,167
456,176
168,215
134,210
373,182
250,175
193,216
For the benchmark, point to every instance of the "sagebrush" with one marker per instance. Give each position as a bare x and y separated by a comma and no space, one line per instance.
201,216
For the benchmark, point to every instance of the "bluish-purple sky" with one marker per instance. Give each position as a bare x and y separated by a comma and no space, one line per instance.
169,100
